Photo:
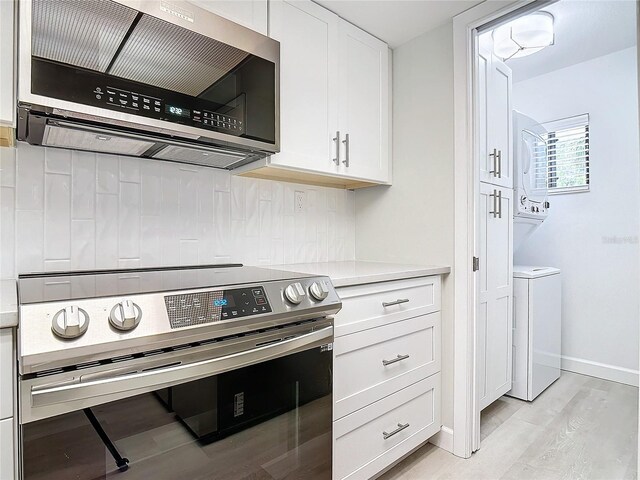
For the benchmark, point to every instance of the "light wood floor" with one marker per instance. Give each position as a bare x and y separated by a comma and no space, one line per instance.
579,428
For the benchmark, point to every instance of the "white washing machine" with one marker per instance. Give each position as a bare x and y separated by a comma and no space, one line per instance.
531,204
537,321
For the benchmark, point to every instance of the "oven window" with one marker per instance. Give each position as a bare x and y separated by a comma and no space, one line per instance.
267,421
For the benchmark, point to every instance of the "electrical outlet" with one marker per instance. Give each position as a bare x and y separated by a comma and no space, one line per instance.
299,202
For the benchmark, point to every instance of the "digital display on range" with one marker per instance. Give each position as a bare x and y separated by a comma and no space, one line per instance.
227,301
177,111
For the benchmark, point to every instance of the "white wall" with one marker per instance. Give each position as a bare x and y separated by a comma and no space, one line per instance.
593,237
412,221
63,210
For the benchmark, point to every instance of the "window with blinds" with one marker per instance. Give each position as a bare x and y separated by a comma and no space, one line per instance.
568,154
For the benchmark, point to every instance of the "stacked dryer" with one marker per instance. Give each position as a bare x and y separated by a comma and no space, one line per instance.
537,290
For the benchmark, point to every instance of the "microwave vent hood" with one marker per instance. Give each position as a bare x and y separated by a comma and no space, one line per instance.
156,79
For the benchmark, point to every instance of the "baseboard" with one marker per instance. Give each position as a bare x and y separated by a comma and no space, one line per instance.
443,439
600,370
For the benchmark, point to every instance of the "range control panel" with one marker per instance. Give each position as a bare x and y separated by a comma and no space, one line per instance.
189,309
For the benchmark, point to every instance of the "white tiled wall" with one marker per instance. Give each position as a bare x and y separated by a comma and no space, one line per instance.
63,210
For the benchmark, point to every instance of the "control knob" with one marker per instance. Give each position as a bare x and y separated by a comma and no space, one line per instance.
319,290
70,322
294,293
125,315
523,199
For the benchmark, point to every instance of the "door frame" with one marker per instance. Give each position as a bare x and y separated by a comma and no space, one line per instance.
466,411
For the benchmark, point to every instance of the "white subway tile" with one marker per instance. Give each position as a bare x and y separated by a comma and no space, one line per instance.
187,221
151,187
289,239
129,263
107,173
188,252
57,217
7,232
252,206
266,234
277,210
150,252
29,241
222,207
57,266
129,169
277,252
30,177
206,243
205,191
106,231
7,167
57,160
83,244
265,189
83,185
222,180
129,221
238,197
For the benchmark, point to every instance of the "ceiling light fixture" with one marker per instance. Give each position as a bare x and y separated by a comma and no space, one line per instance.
523,36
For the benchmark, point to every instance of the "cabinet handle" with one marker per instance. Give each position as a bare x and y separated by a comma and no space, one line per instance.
395,302
494,155
401,427
337,140
399,358
346,154
499,158
497,203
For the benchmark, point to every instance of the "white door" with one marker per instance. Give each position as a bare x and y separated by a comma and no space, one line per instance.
364,104
495,293
495,119
308,36
248,13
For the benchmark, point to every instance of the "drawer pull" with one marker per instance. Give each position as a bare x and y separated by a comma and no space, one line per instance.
399,358
401,427
397,302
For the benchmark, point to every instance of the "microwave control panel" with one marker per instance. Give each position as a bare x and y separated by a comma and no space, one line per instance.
114,93
185,310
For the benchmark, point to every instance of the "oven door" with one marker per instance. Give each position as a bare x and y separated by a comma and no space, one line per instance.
252,407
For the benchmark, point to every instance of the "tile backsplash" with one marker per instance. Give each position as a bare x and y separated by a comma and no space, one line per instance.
69,210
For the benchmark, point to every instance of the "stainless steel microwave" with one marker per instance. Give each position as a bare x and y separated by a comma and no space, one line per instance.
149,78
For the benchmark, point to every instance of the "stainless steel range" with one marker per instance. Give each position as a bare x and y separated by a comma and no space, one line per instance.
196,372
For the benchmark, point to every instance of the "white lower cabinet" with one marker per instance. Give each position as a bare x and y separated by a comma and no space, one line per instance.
6,373
371,439
7,457
387,362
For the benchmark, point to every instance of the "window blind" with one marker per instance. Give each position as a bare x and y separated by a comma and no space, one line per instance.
568,154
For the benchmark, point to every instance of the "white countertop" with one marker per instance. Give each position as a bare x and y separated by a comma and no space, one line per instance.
344,274
8,304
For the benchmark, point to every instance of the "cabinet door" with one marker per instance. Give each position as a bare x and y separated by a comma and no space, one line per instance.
495,293
494,124
308,37
7,100
7,459
248,13
364,104
6,373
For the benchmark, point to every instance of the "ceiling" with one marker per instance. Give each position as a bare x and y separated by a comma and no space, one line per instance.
397,21
583,30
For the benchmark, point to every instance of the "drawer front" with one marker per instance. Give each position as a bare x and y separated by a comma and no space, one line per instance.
6,373
375,363
374,305
407,418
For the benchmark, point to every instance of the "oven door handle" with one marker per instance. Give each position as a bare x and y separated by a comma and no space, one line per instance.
94,392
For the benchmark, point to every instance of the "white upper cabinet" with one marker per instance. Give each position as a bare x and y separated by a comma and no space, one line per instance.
308,37
7,92
364,104
248,13
334,100
495,134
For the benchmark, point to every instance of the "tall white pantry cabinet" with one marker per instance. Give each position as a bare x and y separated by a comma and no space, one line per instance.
494,246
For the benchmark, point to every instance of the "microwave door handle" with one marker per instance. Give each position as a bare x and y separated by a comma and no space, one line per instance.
151,380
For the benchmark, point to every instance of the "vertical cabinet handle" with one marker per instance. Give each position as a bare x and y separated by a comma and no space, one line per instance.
494,156
401,427
497,203
346,154
337,140
499,159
